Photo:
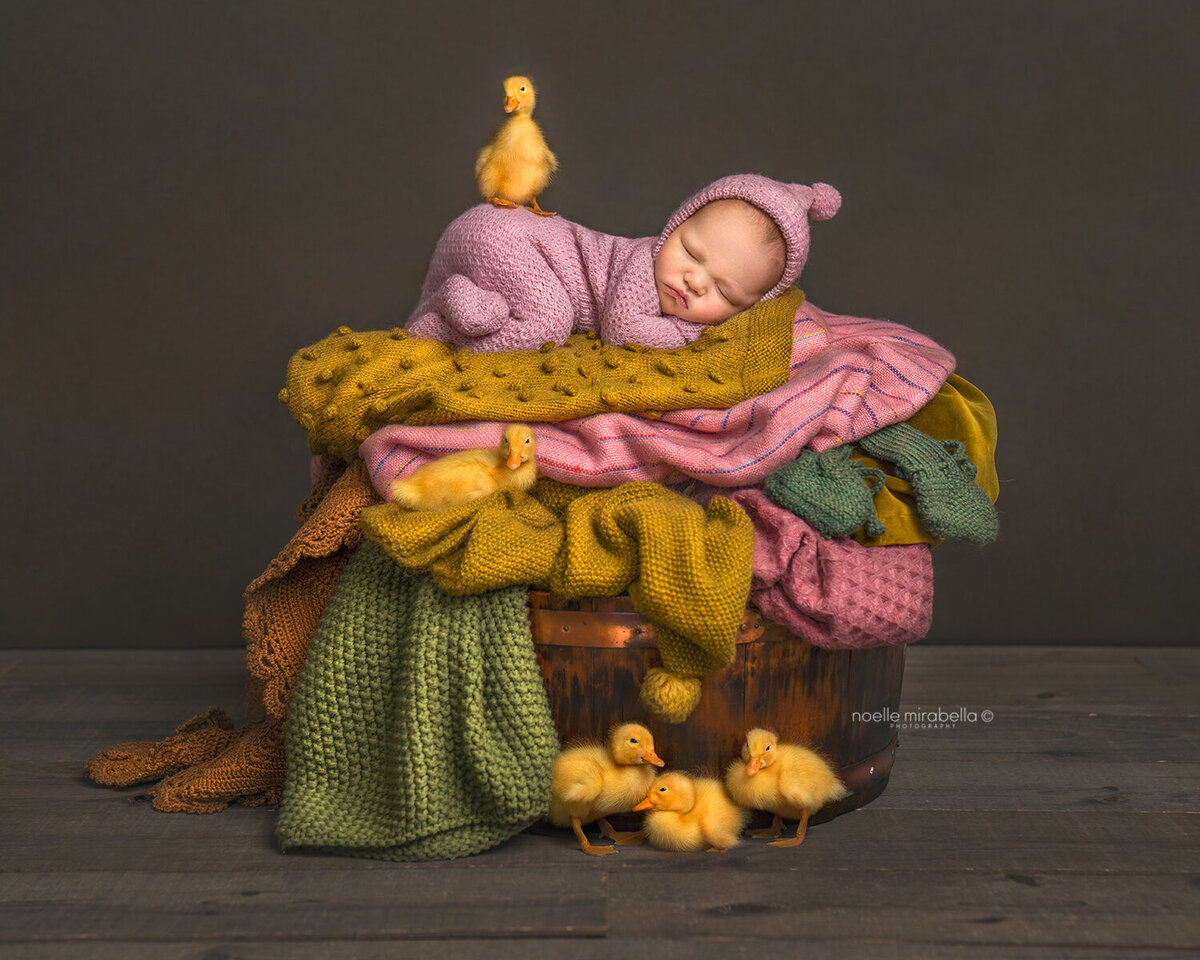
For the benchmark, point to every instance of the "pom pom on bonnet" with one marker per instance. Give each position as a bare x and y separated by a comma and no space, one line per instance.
790,205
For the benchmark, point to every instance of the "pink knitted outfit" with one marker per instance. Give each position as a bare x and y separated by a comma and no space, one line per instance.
503,279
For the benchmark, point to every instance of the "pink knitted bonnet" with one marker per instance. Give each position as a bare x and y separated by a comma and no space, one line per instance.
790,205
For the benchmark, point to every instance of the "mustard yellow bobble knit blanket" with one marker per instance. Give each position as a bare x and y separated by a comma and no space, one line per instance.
350,384
686,568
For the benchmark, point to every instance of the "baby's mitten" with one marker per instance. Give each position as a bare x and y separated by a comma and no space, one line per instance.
828,491
468,308
951,504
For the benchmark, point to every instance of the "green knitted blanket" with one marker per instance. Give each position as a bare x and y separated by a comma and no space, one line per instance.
420,728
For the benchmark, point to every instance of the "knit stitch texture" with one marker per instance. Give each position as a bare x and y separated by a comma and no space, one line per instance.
420,729
959,411
951,504
790,205
686,568
836,594
849,376
511,280
348,385
828,490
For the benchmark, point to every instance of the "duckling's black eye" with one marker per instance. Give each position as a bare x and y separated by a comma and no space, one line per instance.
768,748
522,89
633,739
526,439
662,789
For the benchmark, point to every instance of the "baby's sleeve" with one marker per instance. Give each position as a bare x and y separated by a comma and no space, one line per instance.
491,285
658,331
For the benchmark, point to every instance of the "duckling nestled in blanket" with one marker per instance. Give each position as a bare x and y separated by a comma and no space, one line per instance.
467,475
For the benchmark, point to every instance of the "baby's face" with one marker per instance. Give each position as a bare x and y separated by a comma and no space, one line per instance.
715,264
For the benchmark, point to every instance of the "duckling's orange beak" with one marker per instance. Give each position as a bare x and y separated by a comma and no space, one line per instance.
514,458
511,104
644,805
753,766
651,757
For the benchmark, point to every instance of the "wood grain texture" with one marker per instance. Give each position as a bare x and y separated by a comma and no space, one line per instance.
1048,832
577,948
776,680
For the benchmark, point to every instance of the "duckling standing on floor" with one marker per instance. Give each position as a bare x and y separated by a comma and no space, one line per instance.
691,813
466,475
517,165
787,779
590,781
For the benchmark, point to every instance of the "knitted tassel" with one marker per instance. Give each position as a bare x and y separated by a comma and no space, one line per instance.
669,697
949,501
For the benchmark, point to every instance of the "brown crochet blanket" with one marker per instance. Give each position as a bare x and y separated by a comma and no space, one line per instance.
208,763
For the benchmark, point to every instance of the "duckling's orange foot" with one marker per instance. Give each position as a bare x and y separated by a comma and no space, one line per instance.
789,842
622,837
586,845
801,830
501,202
773,832
533,205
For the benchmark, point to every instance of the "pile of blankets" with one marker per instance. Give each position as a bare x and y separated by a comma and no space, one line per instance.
793,459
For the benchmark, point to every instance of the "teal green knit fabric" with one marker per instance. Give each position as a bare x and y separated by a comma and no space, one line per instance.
828,491
949,501
420,728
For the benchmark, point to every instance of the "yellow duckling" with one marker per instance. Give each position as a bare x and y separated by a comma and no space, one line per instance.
590,781
517,165
787,779
691,813
466,475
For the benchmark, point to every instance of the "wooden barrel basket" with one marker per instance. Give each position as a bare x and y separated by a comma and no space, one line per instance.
594,652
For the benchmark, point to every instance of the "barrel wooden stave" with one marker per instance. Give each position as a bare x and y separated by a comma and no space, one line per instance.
593,653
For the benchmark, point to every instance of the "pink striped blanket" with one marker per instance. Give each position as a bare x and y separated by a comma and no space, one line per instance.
850,376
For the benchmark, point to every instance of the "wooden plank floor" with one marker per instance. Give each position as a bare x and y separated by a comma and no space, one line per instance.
1065,827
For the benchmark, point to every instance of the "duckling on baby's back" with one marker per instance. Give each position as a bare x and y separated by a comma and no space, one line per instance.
516,165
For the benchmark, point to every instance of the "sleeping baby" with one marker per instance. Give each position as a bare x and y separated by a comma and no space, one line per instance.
506,279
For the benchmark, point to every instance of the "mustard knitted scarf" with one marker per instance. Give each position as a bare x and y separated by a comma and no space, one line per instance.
348,385
686,568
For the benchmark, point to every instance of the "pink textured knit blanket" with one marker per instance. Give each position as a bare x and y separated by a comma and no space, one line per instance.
850,376
835,593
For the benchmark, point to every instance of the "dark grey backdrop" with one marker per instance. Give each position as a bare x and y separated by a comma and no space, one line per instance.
192,191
